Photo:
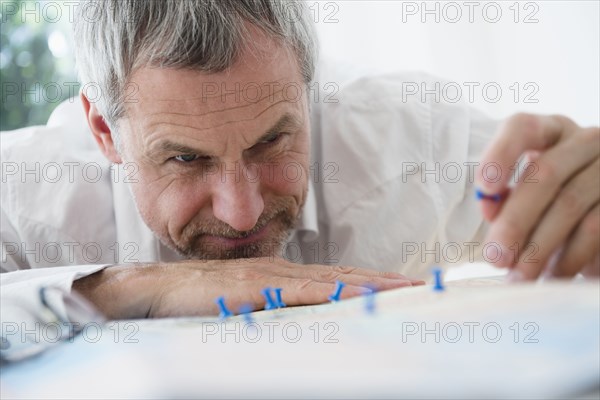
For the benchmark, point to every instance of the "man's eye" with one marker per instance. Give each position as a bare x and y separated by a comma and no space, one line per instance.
186,158
272,138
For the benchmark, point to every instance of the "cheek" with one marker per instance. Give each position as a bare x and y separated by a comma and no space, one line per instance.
166,200
289,174
286,176
169,202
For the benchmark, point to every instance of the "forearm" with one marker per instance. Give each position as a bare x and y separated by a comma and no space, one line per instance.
121,292
189,288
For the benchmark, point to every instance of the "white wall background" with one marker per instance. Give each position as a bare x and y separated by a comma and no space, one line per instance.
558,54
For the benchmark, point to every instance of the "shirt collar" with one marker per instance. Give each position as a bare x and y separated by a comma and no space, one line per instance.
308,224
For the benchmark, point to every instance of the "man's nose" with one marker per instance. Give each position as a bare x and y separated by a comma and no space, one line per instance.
237,201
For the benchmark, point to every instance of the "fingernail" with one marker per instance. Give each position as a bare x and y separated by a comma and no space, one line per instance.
547,274
368,289
544,278
506,257
498,254
551,274
515,276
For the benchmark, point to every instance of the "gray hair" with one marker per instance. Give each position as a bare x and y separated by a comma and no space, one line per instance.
113,38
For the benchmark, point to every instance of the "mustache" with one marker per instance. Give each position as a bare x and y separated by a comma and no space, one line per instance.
197,229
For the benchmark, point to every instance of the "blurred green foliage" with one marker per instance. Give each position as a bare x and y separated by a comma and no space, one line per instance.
37,67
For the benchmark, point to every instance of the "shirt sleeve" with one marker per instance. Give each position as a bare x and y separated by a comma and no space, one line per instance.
17,286
26,314
10,246
461,223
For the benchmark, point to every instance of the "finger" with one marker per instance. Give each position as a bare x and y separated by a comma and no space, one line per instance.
348,270
592,270
374,282
520,133
359,276
295,292
348,275
313,292
533,195
582,248
573,202
298,292
337,271
492,207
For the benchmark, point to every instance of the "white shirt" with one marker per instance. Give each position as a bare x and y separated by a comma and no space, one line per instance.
371,201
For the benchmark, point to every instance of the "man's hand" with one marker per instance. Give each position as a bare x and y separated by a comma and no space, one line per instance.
548,223
189,288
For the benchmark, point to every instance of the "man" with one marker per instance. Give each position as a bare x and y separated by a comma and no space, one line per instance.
204,110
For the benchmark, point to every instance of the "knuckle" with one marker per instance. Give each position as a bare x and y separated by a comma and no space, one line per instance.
250,274
564,121
340,269
305,284
524,123
547,171
591,224
329,275
571,202
590,136
390,275
509,231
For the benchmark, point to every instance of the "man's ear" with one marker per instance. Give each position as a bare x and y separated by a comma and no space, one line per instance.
100,130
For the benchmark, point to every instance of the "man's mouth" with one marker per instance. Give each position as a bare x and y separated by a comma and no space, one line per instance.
226,243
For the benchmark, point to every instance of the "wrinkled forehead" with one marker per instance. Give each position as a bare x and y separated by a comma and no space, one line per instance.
225,100
255,85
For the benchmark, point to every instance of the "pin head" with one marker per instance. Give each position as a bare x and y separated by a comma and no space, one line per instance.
224,312
482,196
278,300
437,279
269,302
370,299
339,285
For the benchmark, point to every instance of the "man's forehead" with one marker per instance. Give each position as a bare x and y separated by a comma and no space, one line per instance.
256,90
195,115
199,96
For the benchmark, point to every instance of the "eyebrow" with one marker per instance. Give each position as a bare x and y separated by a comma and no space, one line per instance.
286,121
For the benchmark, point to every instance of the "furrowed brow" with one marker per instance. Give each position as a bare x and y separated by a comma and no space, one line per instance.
287,121
169,147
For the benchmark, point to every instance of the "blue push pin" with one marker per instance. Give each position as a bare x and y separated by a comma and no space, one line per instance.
370,300
338,291
246,310
280,303
224,311
482,196
437,277
270,303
